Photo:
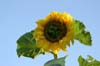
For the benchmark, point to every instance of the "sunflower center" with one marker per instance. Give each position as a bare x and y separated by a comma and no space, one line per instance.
55,30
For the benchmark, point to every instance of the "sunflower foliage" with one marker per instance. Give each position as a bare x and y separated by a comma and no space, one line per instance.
90,61
81,34
26,46
57,62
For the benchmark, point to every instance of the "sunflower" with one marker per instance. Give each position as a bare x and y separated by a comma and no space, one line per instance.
54,32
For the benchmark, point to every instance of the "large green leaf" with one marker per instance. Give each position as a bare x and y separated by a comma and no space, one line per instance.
90,61
56,62
26,46
81,34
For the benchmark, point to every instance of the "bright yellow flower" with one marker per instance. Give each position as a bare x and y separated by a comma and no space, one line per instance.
54,32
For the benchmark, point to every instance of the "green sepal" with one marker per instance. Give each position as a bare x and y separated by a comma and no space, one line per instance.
90,61
26,46
56,62
68,44
72,41
81,34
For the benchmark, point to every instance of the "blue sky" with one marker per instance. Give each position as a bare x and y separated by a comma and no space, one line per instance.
18,17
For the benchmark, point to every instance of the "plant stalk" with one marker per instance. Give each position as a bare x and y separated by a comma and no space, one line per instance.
55,55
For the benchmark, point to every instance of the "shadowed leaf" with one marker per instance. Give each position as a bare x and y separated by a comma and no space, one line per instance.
26,46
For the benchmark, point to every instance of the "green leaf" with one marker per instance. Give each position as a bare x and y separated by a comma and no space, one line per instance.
26,46
90,61
81,34
56,62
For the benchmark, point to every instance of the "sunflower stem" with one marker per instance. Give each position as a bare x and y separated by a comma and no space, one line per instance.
55,55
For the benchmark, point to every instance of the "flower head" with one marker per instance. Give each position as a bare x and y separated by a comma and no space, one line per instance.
54,32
